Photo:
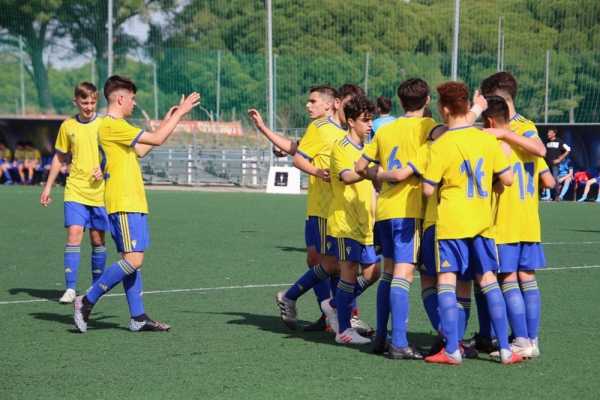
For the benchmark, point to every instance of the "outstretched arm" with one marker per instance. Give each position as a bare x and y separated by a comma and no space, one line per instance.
57,162
281,142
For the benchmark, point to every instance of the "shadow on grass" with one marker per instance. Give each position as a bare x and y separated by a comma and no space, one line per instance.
94,323
292,249
49,294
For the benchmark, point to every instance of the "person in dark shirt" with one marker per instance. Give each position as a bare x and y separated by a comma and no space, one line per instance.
556,151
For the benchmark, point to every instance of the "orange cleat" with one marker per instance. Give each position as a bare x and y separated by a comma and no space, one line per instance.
442,358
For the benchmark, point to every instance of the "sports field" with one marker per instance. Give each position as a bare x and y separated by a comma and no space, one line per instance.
215,264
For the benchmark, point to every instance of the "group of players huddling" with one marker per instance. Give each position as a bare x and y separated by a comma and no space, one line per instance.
457,203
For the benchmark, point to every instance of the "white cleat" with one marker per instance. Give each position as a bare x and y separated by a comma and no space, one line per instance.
68,297
331,314
350,336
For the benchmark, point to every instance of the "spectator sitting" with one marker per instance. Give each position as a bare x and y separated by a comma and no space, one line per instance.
588,185
31,163
5,156
18,160
565,177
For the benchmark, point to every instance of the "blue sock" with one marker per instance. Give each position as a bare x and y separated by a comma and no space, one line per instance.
547,193
497,310
383,304
98,262
531,297
564,189
72,256
464,313
400,311
449,315
485,324
515,308
109,279
430,302
361,285
311,280
334,280
345,299
132,284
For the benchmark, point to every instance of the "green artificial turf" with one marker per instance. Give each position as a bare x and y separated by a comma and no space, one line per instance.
215,264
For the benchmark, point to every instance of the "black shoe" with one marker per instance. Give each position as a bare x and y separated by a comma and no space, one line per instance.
481,343
380,345
439,342
320,325
409,352
148,325
467,353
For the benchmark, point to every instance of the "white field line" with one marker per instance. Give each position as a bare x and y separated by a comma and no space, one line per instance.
563,243
247,287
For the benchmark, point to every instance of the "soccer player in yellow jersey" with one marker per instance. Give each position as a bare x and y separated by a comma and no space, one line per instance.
5,156
125,199
517,234
32,161
462,162
84,192
350,222
522,133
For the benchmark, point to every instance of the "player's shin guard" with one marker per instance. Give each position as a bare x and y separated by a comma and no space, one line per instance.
72,256
345,303
497,311
400,311
132,284
430,303
464,313
383,304
448,309
98,261
311,280
109,279
485,324
515,308
531,298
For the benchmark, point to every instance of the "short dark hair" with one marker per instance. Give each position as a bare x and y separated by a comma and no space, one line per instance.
357,105
325,91
455,97
85,90
413,94
497,109
349,89
501,81
553,128
384,104
118,82
29,143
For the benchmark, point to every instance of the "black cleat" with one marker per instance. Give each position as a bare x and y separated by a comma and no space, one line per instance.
148,325
409,352
320,325
481,344
380,345
439,343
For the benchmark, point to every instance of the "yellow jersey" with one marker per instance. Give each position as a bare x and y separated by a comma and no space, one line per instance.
20,155
81,139
392,147
462,162
32,155
316,146
419,166
350,214
124,190
523,126
516,216
5,155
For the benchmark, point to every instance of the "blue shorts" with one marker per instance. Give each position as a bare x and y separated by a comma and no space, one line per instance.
87,216
427,265
345,249
467,257
130,231
522,256
315,232
399,239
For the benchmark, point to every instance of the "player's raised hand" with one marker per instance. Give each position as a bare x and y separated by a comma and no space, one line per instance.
480,100
256,118
186,104
45,199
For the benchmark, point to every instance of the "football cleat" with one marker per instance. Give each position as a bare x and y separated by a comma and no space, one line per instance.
360,327
524,351
444,358
148,325
439,342
68,297
350,336
409,352
509,357
380,345
481,343
536,349
288,311
331,314
82,314
467,353
320,325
